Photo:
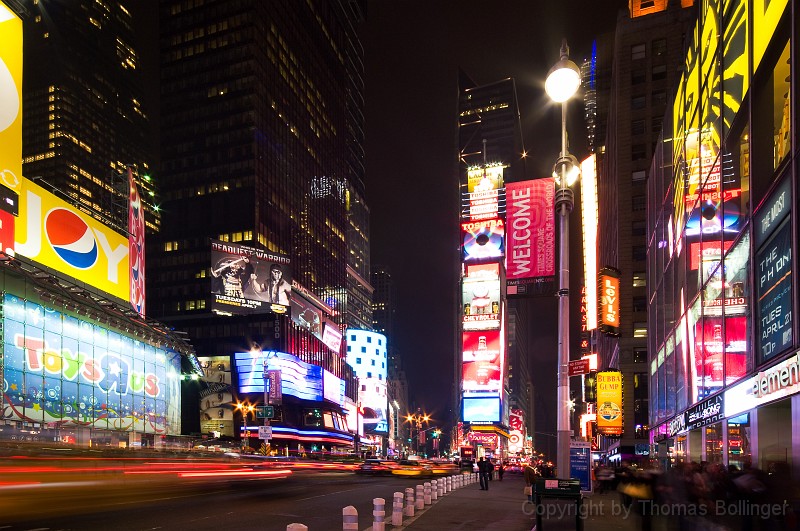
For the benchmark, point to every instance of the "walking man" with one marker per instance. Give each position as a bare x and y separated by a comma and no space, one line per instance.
483,473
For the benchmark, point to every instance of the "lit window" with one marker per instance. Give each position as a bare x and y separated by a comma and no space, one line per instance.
639,329
638,51
639,280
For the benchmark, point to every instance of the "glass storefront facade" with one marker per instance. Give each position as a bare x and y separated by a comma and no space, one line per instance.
721,192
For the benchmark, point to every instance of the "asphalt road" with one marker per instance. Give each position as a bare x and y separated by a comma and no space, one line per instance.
88,503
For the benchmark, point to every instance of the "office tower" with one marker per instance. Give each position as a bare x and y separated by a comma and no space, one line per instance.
722,240
647,50
85,118
262,155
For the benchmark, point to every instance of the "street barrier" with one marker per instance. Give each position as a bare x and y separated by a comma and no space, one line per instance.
420,497
378,513
410,502
434,490
349,518
397,509
426,489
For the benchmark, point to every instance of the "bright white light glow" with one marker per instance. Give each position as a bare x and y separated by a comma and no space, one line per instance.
562,81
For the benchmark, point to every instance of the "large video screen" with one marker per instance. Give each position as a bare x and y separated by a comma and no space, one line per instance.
65,371
246,280
298,378
481,410
482,360
481,297
483,240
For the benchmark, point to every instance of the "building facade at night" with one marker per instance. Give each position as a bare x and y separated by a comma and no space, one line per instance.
81,364
492,367
262,130
722,235
85,119
631,76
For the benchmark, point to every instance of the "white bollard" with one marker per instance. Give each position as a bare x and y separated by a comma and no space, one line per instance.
440,487
296,527
434,490
378,514
420,497
410,502
349,518
397,509
447,484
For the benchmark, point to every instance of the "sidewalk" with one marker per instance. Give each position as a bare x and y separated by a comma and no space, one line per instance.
503,508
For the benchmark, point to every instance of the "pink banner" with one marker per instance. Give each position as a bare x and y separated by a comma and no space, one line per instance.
136,245
530,237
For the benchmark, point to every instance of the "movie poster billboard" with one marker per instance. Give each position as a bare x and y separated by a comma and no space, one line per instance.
482,240
246,280
136,249
485,178
216,396
481,362
481,297
530,238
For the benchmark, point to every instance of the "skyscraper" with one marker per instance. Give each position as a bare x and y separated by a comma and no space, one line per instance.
85,120
262,135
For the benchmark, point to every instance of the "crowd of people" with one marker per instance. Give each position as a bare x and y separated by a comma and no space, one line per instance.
706,496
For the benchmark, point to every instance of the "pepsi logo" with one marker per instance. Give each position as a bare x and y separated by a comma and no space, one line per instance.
71,238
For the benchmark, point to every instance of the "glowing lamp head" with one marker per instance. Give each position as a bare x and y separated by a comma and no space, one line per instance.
568,168
564,78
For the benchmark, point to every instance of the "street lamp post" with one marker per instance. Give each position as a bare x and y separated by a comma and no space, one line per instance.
562,82
416,419
245,409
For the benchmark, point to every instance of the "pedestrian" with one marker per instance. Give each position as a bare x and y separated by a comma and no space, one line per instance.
529,473
490,466
500,470
483,473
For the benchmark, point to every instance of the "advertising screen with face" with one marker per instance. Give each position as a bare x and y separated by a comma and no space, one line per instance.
482,361
216,397
246,280
481,297
483,240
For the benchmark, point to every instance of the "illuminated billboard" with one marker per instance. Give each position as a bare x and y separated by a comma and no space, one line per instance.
68,372
10,101
481,362
480,410
484,178
366,354
216,396
136,249
608,303
481,297
332,388
717,353
55,233
298,378
530,238
609,402
589,216
482,240
246,280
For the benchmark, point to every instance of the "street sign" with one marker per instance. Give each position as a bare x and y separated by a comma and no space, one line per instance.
265,432
265,412
578,367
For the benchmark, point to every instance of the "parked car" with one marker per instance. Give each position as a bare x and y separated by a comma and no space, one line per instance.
377,467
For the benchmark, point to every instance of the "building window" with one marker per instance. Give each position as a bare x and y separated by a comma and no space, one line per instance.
639,175
637,127
639,329
638,152
659,97
638,52
659,47
640,355
639,304
373,362
638,102
638,75
369,375
639,279
639,253
655,124
358,360
659,72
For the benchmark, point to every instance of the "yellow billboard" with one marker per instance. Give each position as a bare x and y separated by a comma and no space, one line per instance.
609,402
10,98
54,233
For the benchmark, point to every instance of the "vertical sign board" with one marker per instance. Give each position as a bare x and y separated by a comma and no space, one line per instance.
773,273
609,402
608,303
580,463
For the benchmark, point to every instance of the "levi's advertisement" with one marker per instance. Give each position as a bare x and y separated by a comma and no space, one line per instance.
66,372
481,362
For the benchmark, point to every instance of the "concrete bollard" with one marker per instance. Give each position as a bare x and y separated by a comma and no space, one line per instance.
349,518
296,527
397,509
434,490
420,497
378,514
440,487
448,483
409,502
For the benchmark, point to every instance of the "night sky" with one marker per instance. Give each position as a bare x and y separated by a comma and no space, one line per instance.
413,50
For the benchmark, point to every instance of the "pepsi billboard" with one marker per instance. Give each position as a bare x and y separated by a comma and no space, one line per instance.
56,234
